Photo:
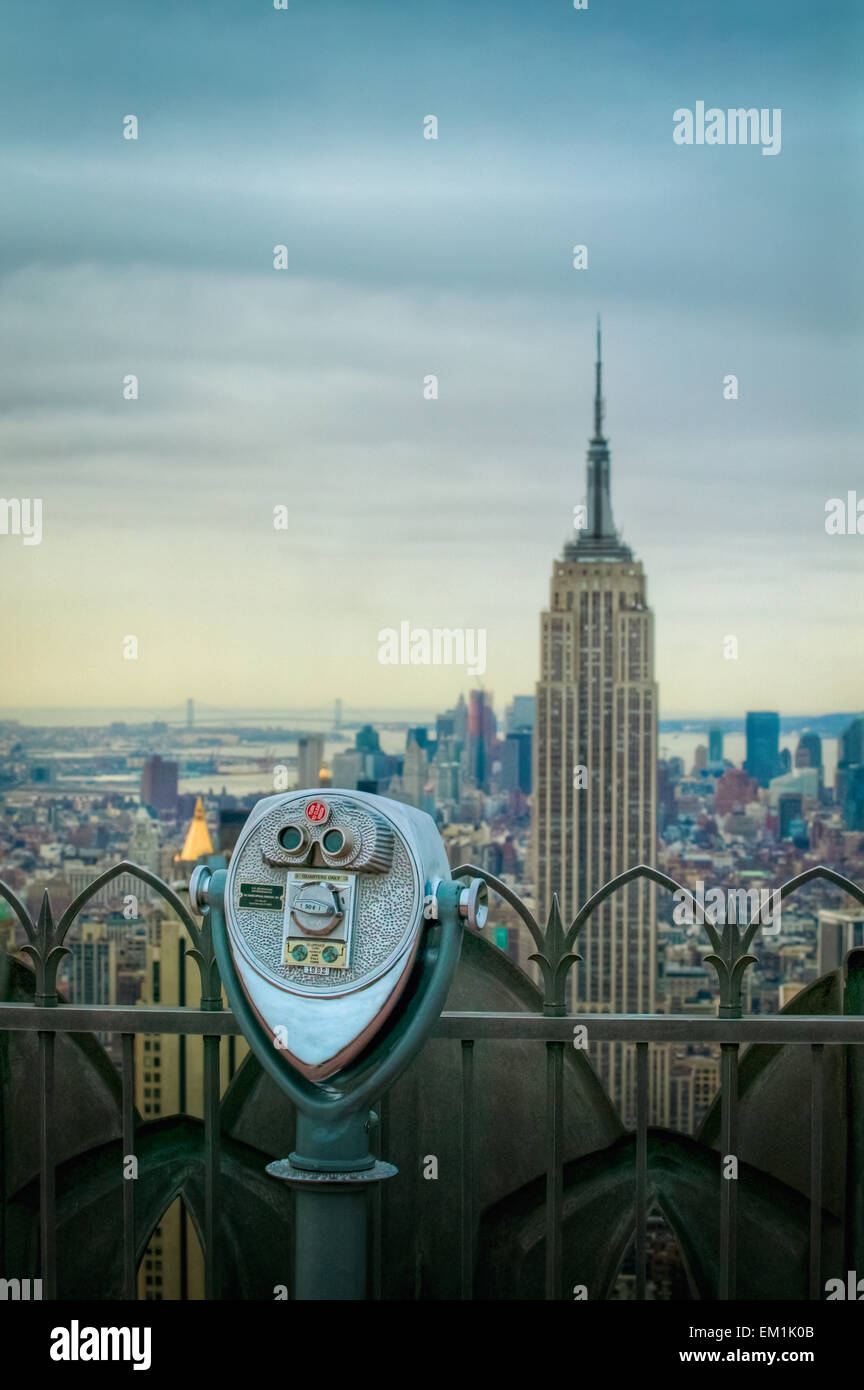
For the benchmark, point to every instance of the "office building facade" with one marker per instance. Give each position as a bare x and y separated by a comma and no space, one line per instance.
595,756
763,746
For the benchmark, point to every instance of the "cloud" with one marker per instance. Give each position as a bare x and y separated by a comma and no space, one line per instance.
410,257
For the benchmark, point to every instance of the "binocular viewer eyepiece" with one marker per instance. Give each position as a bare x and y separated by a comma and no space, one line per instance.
327,901
337,930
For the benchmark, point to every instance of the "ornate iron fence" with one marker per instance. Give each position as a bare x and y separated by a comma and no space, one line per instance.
550,1025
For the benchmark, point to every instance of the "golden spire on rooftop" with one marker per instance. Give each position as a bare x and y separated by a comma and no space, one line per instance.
198,842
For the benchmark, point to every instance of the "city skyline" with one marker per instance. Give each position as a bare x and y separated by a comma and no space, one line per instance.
323,714
431,729
353,715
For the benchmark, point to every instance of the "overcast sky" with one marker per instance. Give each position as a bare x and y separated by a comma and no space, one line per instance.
408,256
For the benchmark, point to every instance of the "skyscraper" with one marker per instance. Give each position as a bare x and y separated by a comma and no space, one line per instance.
159,784
144,841
715,745
809,751
460,719
520,714
480,739
516,763
93,966
853,798
788,811
310,757
415,772
850,770
92,970
447,770
763,746
851,748
595,762
444,725
367,740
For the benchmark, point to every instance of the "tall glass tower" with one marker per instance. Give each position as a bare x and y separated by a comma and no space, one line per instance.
595,759
763,745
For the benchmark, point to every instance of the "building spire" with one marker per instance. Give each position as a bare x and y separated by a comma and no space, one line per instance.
599,409
598,539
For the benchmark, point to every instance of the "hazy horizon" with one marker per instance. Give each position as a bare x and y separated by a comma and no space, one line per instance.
324,714
302,388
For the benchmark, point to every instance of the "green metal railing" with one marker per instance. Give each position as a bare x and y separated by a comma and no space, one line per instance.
553,1028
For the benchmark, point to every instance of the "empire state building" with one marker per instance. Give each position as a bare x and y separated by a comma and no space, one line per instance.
595,756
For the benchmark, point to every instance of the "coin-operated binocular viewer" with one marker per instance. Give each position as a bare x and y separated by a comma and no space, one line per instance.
337,931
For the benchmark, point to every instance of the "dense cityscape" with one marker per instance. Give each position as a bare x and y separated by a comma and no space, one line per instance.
574,785
78,800
736,805
432,733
